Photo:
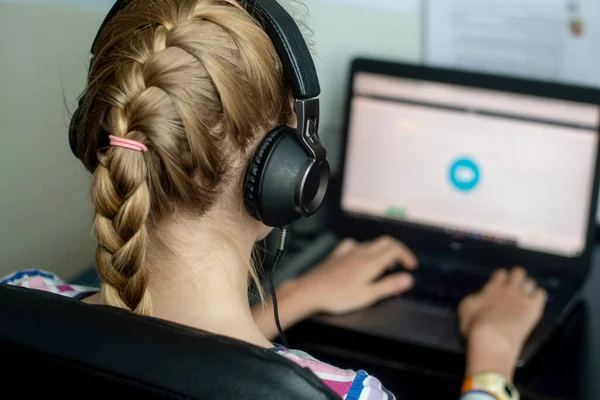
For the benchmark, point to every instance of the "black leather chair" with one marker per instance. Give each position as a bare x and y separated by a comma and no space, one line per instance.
54,346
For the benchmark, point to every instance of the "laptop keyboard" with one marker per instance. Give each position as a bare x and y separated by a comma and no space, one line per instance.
444,287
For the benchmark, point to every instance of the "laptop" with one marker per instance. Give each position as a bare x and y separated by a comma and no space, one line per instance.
473,172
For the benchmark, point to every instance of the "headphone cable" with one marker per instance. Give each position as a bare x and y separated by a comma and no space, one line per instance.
283,234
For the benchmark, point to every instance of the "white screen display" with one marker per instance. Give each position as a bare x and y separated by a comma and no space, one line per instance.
499,166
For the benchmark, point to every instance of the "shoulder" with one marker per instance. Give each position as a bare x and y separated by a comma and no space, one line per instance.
47,282
349,384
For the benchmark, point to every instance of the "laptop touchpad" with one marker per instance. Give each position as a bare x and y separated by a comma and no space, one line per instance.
406,322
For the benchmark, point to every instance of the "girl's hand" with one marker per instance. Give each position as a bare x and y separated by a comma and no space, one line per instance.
498,320
347,280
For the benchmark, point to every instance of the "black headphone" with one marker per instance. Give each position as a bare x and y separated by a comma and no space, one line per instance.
288,176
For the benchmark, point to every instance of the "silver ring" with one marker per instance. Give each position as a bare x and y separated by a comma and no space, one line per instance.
529,288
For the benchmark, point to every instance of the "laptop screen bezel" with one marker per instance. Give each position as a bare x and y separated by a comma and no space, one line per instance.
442,244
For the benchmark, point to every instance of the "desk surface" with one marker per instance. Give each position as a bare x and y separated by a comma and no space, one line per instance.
567,369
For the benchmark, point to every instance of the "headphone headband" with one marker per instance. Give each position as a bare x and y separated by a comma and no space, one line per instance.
298,65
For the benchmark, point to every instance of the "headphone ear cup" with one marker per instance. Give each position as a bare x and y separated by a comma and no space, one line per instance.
272,178
254,173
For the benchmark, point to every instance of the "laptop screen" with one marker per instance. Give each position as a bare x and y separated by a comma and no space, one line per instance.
490,165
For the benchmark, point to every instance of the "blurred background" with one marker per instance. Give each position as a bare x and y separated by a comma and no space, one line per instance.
45,221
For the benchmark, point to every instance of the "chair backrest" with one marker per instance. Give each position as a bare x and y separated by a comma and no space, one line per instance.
52,345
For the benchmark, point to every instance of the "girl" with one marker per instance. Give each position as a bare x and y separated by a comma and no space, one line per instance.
192,85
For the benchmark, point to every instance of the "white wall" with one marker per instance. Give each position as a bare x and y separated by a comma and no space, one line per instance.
45,219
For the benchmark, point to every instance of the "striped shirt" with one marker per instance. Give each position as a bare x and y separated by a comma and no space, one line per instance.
348,384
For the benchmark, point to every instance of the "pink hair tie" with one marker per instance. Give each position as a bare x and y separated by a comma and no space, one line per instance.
127,144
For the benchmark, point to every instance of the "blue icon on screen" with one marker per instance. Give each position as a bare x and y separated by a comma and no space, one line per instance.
464,174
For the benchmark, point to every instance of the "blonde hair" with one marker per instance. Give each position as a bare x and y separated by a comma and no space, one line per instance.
193,80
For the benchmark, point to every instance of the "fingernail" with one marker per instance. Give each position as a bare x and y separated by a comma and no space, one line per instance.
406,280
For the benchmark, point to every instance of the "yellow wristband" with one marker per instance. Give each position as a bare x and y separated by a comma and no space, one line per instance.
493,384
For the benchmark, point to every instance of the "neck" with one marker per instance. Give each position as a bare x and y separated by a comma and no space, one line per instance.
200,277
